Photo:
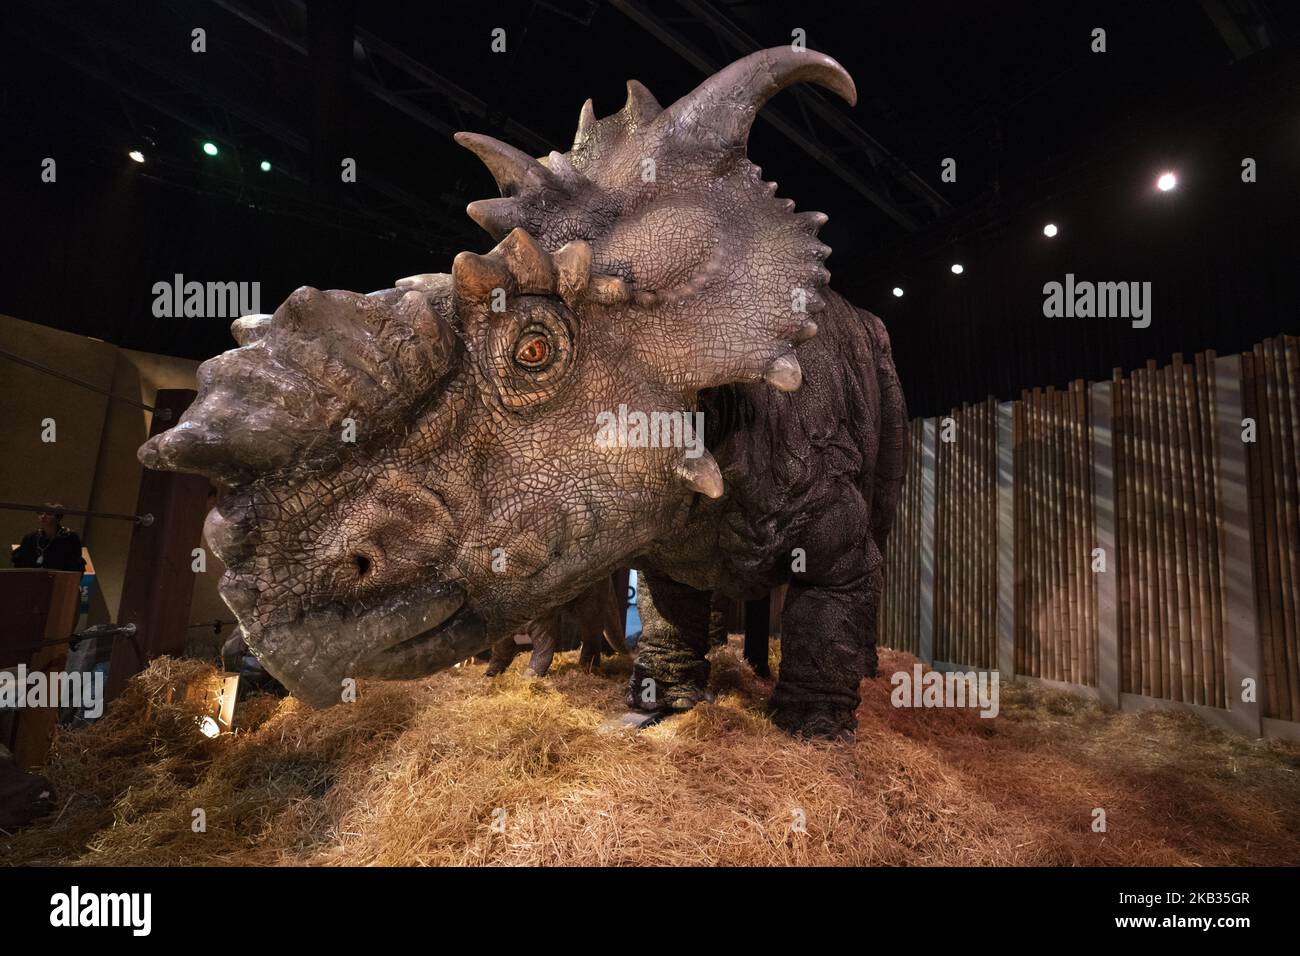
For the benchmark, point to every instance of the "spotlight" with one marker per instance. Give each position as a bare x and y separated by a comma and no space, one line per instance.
957,269
898,293
265,166
1166,182
210,148
136,155
1049,230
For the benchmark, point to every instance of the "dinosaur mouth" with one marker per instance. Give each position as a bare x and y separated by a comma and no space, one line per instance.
410,634
454,639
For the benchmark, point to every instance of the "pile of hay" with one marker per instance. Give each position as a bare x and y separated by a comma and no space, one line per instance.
455,769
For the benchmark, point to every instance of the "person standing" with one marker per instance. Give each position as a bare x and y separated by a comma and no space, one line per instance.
51,546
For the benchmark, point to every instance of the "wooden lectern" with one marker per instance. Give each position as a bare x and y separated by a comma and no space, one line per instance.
39,611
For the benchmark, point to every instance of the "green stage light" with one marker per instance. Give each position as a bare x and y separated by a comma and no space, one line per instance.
210,148
265,166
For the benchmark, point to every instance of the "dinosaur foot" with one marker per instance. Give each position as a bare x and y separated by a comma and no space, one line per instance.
817,721
649,693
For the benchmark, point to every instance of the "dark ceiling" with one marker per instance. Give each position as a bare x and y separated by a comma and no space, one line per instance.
1041,127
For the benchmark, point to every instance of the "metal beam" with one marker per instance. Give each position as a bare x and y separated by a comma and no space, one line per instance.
295,141
373,45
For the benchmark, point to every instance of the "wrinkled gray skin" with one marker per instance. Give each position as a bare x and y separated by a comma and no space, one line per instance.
650,266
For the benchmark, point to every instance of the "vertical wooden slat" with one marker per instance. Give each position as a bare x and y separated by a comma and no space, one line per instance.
1203,690
1088,616
1032,643
1070,598
1167,599
1268,505
1074,504
1053,534
964,535
1152,685
1129,538
1218,584
943,517
1180,610
1121,559
1018,505
1087,540
1289,428
989,550
1274,375
988,496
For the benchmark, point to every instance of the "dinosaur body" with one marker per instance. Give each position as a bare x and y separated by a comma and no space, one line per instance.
411,475
811,478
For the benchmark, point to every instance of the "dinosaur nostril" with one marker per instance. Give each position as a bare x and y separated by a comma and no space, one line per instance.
362,564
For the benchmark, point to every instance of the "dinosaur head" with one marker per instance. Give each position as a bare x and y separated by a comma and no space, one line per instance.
410,473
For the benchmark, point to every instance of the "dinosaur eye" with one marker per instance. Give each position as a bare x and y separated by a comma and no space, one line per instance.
533,350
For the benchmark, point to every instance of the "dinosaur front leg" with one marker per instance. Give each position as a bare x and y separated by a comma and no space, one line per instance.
671,672
828,645
545,633
503,652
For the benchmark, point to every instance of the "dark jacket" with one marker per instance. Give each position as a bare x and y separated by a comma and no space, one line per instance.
60,553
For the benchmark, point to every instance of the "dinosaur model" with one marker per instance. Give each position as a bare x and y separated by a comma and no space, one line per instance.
412,474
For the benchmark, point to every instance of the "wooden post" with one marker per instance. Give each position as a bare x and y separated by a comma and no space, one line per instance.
39,610
159,582
1240,634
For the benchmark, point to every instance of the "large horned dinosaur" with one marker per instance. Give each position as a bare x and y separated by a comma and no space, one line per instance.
650,267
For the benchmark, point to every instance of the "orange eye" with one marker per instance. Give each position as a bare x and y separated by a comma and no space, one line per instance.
533,351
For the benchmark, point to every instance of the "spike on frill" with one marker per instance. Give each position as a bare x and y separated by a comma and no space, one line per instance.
572,271
496,217
476,277
784,374
641,106
586,125
701,474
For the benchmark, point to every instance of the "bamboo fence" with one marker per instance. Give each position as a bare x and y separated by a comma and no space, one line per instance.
1171,578
900,605
966,526
1271,387
1055,621
1169,530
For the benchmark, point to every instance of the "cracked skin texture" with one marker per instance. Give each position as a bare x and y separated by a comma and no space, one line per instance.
412,474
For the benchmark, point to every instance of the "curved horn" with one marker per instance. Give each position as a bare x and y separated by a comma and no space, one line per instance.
722,108
513,169
641,106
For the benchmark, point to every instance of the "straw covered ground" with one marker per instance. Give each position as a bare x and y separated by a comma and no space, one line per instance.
419,773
